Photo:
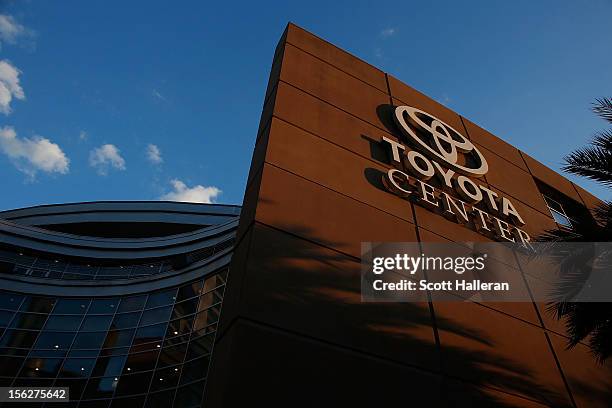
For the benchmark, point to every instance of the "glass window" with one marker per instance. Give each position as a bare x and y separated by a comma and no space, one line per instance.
71,306
558,212
6,267
160,399
37,304
201,346
185,308
117,351
189,396
110,272
83,353
206,318
69,404
40,367
63,323
10,366
194,370
133,384
175,340
141,270
140,361
54,274
150,333
561,219
103,306
119,338
7,351
26,259
100,387
189,291
95,404
132,402
553,204
210,298
88,341
130,304
161,314
109,366
76,387
213,282
165,378
172,355
54,340
77,367
180,327
96,323
18,338
126,320
30,321
205,330
161,298
52,353
10,301
82,269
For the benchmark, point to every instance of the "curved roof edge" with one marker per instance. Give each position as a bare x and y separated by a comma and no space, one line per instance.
122,211
217,221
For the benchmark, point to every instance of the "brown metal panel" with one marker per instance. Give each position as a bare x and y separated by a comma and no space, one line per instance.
551,177
332,85
589,200
590,383
308,210
327,121
273,367
331,166
406,95
316,292
516,356
513,181
336,57
494,144
443,226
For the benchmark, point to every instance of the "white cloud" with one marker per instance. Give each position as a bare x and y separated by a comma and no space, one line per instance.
156,94
33,155
83,135
10,29
154,154
388,32
195,194
106,157
9,86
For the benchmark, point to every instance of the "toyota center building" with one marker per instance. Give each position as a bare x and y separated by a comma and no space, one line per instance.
157,304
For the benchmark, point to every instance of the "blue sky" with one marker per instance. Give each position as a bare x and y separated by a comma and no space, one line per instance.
94,85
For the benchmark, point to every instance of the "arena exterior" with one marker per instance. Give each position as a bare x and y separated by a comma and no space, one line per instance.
347,154
118,301
121,301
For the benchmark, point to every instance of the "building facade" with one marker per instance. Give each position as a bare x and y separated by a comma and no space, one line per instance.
118,301
341,158
121,301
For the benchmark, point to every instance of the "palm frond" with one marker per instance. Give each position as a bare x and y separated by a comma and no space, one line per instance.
587,322
593,161
603,215
603,107
603,140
